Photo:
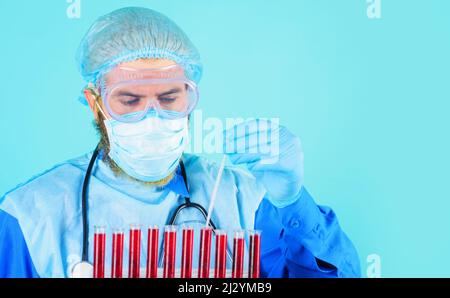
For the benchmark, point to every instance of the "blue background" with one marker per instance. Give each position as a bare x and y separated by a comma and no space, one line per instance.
369,99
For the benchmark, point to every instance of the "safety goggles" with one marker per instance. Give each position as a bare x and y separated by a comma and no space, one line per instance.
128,94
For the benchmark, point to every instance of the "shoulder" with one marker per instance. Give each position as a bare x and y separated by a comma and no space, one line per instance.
47,185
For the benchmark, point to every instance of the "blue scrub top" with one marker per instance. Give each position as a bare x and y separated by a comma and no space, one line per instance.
299,240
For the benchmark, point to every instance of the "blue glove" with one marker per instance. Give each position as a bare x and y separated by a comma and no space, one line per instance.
272,154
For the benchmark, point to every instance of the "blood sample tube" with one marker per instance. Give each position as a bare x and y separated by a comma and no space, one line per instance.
170,246
117,253
186,253
220,268
238,255
254,254
204,258
134,260
152,252
99,252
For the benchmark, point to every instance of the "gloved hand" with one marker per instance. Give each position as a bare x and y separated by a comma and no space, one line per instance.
272,154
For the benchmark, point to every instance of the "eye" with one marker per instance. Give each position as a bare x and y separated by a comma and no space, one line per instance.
167,99
130,101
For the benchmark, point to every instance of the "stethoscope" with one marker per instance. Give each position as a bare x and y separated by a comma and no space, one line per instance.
84,268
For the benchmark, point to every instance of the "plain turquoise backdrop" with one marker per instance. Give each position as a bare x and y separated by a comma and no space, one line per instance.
369,99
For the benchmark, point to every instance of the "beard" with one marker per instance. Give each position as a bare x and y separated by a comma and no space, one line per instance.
105,147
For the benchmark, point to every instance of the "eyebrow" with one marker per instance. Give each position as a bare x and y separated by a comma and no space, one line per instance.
127,93
171,91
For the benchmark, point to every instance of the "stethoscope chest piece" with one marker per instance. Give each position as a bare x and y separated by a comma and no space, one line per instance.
83,270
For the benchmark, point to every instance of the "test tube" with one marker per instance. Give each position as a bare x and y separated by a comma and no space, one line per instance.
254,254
134,260
204,257
117,253
152,252
238,255
170,245
186,254
220,268
99,251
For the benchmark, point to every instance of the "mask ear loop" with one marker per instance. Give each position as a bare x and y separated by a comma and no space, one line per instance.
97,96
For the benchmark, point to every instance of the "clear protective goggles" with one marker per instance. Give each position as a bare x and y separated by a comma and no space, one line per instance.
129,94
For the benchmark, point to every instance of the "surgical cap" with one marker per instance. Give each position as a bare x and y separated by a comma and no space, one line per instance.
134,33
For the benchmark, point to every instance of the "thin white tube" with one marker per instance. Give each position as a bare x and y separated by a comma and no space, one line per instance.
215,189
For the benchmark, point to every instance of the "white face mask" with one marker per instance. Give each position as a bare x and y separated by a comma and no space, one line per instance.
148,150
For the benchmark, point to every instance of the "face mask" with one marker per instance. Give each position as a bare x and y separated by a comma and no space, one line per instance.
148,150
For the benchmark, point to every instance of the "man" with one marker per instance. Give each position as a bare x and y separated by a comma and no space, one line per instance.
142,73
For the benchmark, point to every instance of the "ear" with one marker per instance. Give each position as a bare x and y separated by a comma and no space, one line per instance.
90,99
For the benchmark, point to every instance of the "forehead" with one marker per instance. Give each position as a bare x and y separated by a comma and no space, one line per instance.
148,63
148,89
143,69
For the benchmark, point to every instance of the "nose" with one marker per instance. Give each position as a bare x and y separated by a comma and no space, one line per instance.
153,108
152,105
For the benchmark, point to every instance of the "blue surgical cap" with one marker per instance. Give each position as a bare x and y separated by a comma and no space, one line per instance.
133,33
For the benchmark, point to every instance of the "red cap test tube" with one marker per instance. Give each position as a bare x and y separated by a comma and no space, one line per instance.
152,252
117,253
187,252
134,260
204,257
220,268
254,254
170,245
99,252
238,255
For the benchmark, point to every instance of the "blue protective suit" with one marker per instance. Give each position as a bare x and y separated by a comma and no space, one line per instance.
41,222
